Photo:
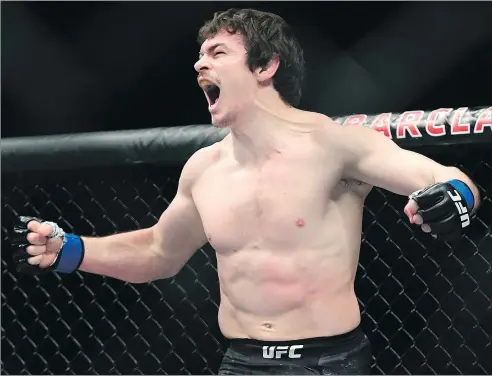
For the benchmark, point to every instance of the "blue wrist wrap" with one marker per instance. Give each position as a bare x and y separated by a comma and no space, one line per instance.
71,254
465,191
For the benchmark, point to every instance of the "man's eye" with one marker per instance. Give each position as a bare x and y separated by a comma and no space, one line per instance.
219,53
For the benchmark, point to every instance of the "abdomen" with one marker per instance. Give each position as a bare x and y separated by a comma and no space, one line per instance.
274,294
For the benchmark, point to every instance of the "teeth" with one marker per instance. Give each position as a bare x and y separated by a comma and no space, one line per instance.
205,83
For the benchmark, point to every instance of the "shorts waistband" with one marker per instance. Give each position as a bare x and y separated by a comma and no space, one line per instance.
307,349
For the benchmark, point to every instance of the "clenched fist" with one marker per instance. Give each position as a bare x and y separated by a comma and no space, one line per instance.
34,246
442,209
40,246
43,249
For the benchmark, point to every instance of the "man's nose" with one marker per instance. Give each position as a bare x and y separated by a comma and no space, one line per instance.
201,65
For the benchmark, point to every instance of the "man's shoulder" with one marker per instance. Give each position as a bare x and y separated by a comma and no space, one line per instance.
204,157
313,118
325,130
338,141
200,161
333,133
317,122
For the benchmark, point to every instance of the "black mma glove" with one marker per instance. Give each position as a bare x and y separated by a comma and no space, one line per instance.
446,208
69,256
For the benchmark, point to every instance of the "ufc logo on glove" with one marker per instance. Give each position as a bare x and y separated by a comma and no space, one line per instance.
271,352
458,202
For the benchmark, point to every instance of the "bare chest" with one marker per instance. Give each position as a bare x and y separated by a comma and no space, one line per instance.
280,205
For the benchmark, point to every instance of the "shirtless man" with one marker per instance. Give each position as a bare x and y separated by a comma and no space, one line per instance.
280,199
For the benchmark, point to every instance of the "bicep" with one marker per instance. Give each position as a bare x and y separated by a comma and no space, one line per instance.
379,161
179,232
400,171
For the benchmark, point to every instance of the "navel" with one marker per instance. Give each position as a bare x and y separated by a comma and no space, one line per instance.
300,223
267,325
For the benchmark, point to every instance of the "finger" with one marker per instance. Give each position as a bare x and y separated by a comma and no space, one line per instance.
54,245
45,229
410,209
33,226
47,260
417,219
35,250
426,228
35,260
36,239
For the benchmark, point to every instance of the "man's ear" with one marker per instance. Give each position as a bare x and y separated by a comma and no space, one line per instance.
268,71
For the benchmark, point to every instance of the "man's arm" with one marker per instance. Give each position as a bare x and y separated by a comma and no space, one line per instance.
375,159
143,255
153,253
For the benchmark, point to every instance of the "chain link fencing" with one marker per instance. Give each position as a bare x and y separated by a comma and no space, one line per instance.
426,305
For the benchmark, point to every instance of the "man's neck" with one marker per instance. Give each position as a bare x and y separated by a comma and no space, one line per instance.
258,133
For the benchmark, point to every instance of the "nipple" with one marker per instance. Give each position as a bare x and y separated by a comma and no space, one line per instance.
300,223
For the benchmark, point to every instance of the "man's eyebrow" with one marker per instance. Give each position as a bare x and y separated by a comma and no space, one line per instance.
211,48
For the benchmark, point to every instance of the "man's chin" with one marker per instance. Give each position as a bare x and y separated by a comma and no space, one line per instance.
220,125
220,122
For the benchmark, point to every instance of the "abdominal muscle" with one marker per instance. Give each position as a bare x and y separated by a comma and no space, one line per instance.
284,295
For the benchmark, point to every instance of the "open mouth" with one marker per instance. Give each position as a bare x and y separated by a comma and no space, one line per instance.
212,92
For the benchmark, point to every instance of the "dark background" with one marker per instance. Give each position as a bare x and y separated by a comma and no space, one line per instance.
72,67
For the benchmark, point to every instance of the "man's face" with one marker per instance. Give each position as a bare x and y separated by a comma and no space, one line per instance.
223,73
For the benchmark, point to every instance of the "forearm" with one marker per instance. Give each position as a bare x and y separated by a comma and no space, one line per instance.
376,160
422,172
404,172
425,172
128,256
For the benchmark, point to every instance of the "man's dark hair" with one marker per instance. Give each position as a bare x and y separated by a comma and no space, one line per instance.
265,35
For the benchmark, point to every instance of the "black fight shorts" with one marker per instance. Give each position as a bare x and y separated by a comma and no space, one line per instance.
345,354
